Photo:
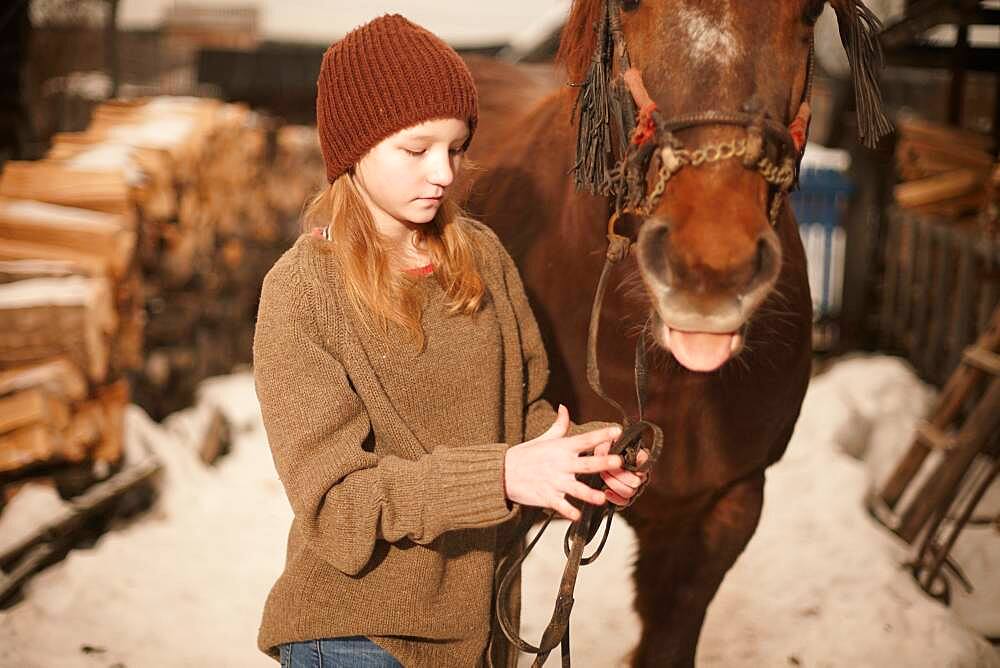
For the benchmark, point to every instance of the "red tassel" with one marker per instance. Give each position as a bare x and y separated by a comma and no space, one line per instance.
799,128
645,127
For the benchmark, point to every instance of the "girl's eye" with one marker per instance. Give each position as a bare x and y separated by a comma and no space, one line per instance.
414,153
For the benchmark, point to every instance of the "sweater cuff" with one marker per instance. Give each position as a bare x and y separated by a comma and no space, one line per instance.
467,486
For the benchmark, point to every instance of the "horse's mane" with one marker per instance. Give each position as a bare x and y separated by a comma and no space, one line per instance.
579,38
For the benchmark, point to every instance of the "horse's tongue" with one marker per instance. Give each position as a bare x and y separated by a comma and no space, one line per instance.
701,351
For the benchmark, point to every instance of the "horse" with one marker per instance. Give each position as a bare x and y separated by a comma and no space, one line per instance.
716,278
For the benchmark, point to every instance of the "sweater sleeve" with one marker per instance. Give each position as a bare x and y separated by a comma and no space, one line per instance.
539,413
343,495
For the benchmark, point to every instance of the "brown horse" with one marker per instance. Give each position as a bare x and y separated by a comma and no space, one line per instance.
723,286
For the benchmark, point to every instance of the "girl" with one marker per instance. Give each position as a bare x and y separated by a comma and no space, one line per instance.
400,374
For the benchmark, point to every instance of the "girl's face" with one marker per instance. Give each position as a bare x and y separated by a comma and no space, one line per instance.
404,177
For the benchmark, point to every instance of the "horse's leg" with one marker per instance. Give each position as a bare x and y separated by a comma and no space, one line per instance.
676,576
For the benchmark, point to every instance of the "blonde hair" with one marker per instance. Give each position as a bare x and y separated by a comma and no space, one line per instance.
379,290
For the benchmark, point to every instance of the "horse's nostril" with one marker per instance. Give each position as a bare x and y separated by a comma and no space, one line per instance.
761,259
763,263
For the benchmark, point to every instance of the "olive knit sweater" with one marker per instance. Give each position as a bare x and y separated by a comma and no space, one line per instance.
393,461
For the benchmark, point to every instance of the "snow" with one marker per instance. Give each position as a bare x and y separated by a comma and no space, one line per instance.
158,132
108,157
819,585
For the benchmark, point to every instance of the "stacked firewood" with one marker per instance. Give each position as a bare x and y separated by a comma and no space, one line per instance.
944,171
131,259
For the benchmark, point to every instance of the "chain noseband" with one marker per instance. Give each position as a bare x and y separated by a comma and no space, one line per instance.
626,181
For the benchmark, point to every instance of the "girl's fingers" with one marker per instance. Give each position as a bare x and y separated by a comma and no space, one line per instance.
616,499
626,477
617,486
596,464
592,439
566,509
585,492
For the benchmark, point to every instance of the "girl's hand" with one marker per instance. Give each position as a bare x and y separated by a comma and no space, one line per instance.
542,471
621,486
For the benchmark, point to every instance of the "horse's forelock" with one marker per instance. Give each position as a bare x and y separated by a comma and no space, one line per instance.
579,37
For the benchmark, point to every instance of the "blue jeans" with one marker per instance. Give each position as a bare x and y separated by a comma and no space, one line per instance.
353,652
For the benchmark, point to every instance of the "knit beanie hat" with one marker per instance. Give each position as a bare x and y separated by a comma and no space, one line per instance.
383,77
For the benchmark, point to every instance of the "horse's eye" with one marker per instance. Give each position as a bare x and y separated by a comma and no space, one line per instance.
629,5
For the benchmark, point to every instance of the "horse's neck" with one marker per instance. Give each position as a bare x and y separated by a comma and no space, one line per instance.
528,185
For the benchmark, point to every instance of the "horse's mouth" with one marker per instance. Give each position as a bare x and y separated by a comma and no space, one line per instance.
699,351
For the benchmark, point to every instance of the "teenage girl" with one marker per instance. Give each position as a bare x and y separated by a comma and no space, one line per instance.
400,374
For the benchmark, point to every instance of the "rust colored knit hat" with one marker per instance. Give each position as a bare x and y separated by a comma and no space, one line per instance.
383,77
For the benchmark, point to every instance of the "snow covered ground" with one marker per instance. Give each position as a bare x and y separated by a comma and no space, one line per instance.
819,585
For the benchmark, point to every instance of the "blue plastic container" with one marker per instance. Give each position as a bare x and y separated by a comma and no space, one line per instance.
820,205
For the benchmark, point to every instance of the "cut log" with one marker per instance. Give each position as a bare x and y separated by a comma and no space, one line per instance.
54,182
29,407
941,187
58,377
26,446
21,270
47,317
89,263
82,230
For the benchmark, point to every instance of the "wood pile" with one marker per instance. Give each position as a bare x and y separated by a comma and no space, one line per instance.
131,259
943,170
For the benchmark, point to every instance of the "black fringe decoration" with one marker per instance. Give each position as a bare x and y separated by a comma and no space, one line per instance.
596,110
859,29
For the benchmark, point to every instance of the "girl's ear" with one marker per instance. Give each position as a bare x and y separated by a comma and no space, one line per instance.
859,28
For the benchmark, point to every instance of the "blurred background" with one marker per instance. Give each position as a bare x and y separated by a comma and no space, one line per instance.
154,158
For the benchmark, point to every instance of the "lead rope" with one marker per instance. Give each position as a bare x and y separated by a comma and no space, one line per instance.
581,532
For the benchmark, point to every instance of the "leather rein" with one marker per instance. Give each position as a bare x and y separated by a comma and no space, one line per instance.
626,185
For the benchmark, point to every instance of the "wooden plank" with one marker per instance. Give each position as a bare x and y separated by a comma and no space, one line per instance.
923,284
972,437
982,359
962,331
934,438
981,59
919,18
940,298
891,281
908,257
946,410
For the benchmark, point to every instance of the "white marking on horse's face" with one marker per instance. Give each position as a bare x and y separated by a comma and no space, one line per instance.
710,38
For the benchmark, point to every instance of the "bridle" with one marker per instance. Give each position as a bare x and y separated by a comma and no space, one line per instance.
645,138
772,149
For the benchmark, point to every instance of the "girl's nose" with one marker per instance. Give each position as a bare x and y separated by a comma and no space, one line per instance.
442,173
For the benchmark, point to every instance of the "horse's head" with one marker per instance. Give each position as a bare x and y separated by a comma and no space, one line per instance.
725,120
